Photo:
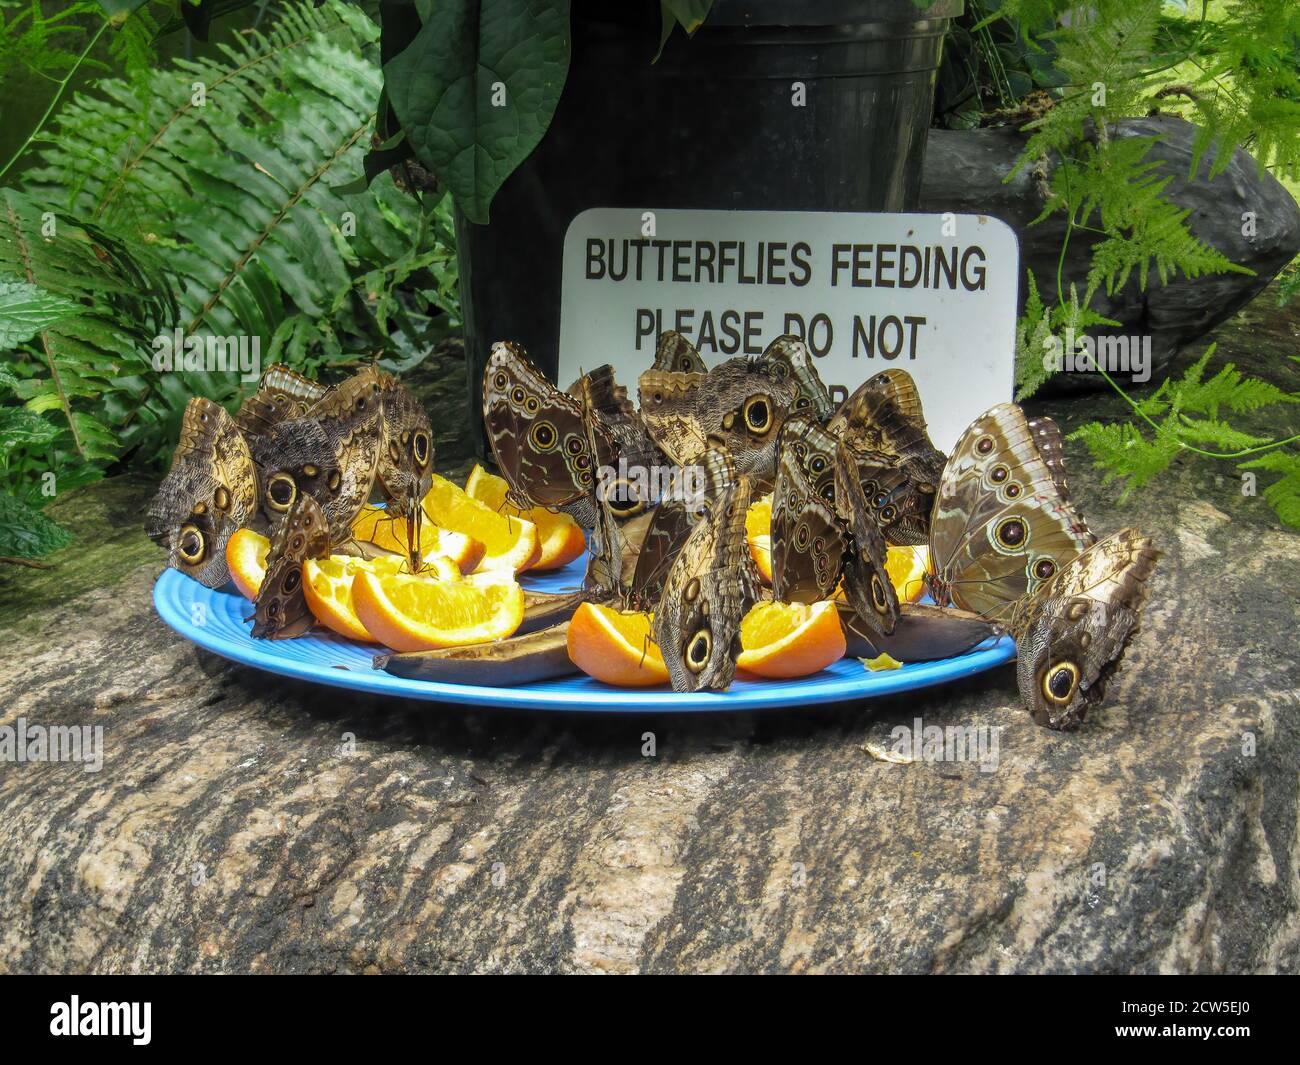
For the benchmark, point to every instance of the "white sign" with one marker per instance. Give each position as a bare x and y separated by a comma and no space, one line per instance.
934,294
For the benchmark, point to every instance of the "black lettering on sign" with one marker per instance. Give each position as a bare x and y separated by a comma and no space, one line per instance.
800,259
821,335
973,277
595,258
647,325
705,250
885,336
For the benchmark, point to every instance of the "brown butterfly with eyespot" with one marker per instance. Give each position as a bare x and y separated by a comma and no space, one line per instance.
738,406
652,543
404,470
675,354
282,395
547,448
709,589
1071,634
331,453
1003,524
792,360
884,425
823,531
280,611
210,491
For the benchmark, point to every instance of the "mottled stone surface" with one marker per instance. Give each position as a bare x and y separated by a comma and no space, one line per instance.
233,827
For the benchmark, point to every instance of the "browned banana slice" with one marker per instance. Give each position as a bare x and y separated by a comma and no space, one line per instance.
924,633
518,660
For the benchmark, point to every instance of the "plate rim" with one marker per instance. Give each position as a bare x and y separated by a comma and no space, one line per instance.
169,588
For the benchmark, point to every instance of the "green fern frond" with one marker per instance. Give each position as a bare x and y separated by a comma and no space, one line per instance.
1249,88
1123,451
1103,56
1283,495
121,302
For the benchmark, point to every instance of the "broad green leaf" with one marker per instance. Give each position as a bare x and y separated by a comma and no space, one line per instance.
477,89
690,13
27,533
26,309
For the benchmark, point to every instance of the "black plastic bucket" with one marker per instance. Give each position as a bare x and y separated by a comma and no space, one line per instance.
711,125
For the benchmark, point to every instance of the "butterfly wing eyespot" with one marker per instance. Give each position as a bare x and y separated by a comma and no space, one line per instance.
1011,533
222,497
878,598
757,413
1060,681
420,447
698,650
544,438
191,545
281,492
291,580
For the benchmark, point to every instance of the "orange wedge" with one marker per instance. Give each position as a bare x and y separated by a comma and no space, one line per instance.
375,525
559,537
511,542
783,640
327,586
422,613
758,519
246,557
615,647
758,534
906,568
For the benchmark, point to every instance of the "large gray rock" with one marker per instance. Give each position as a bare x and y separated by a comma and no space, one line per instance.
965,172
245,822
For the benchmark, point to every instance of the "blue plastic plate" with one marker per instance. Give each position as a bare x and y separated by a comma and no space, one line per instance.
217,621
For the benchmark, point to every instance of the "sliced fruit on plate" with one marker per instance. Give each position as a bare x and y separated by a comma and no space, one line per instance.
511,542
421,613
327,586
615,647
784,640
246,557
375,525
906,568
559,537
758,534
758,519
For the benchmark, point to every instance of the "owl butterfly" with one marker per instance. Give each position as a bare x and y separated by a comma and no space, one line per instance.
737,406
883,421
282,395
1003,525
331,453
404,473
650,550
792,360
823,530
606,402
1072,633
709,589
674,353
210,491
540,437
280,611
